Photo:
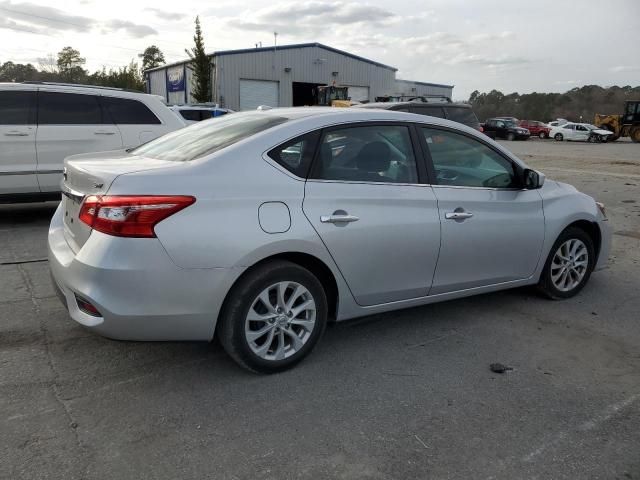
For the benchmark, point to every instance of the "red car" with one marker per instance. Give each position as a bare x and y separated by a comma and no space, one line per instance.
539,129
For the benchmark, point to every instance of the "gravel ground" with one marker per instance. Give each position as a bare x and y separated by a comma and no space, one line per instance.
405,395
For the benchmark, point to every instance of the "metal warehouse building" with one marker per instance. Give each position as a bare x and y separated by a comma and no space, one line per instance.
285,76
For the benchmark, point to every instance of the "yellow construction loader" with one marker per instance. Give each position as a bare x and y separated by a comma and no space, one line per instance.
332,96
625,125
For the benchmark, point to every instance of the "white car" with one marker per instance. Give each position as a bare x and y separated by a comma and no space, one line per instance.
43,123
195,113
579,132
557,123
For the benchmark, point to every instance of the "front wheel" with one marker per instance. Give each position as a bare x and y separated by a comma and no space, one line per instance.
542,135
558,137
511,137
569,265
273,317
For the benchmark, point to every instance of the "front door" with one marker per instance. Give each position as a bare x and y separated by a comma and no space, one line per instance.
379,223
69,124
492,229
18,162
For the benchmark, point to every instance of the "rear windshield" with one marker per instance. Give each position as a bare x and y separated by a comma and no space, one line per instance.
204,138
463,115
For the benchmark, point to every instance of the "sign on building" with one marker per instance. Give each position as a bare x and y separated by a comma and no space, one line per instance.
175,79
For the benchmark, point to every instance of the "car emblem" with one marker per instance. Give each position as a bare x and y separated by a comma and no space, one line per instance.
98,185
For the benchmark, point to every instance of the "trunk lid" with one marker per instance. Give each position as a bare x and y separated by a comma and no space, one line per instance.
93,174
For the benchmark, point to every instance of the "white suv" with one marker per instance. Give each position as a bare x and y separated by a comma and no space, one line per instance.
42,123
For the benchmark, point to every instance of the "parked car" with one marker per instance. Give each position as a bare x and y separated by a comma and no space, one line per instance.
584,132
263,225
456,112
507,129
558,123
536,128
42,123
195,113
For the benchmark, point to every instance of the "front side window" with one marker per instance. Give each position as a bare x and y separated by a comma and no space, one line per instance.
375,153
17,108
55,108
204,138
126,111
582,128
296,155
459,160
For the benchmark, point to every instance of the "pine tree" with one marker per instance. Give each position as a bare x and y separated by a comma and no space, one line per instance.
201,86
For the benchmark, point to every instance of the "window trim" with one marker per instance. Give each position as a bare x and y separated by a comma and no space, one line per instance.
422,174
517,168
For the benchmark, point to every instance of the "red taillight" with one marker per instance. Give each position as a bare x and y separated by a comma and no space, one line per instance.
481,128
130,215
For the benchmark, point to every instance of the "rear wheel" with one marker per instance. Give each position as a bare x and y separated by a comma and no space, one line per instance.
558,137
569,265
273,317
635,135
511,137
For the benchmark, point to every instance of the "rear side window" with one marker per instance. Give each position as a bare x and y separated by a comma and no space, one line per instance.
463,115
296,155
17,108
375,153
432,111
56,108
193,115
125,111
204,138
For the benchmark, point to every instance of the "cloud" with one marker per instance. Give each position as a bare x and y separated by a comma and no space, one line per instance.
134,29
624,68
165,15
311,18
42,16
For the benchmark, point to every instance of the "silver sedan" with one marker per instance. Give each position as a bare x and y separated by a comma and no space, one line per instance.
262,226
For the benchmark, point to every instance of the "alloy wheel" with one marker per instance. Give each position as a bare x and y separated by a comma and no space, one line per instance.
280,320
569,265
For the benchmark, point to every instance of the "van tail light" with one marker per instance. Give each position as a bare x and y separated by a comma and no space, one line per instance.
481,128
130,215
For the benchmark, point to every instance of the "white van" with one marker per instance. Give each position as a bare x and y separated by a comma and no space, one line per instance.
42,123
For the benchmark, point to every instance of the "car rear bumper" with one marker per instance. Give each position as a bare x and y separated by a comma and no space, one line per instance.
139,292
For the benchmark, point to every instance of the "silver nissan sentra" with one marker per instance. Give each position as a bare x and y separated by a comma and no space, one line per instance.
262,226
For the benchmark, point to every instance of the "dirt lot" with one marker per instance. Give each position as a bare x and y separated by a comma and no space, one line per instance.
397,396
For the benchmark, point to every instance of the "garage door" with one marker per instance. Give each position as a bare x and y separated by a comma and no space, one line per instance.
254,93
359,94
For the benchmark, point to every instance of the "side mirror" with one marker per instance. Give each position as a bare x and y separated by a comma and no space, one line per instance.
533,179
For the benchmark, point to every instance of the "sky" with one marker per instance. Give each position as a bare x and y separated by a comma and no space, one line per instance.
512,46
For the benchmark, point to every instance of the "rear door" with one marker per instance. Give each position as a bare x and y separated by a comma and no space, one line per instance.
18,163
366,201
492,229
69,123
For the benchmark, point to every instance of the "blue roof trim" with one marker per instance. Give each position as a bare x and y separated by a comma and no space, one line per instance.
425,83
281,47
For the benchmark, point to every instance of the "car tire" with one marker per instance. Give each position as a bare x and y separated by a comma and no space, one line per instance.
287,337
511,137
542,135
558,137
568,255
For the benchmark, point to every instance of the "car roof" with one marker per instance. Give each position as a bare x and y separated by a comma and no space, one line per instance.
388,105
70,88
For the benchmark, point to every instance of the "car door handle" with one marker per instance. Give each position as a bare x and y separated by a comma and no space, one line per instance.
103,132
16,134
458,215
338,218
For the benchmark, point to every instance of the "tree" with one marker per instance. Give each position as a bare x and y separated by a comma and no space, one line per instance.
70,64
201,86
151,57
128,77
